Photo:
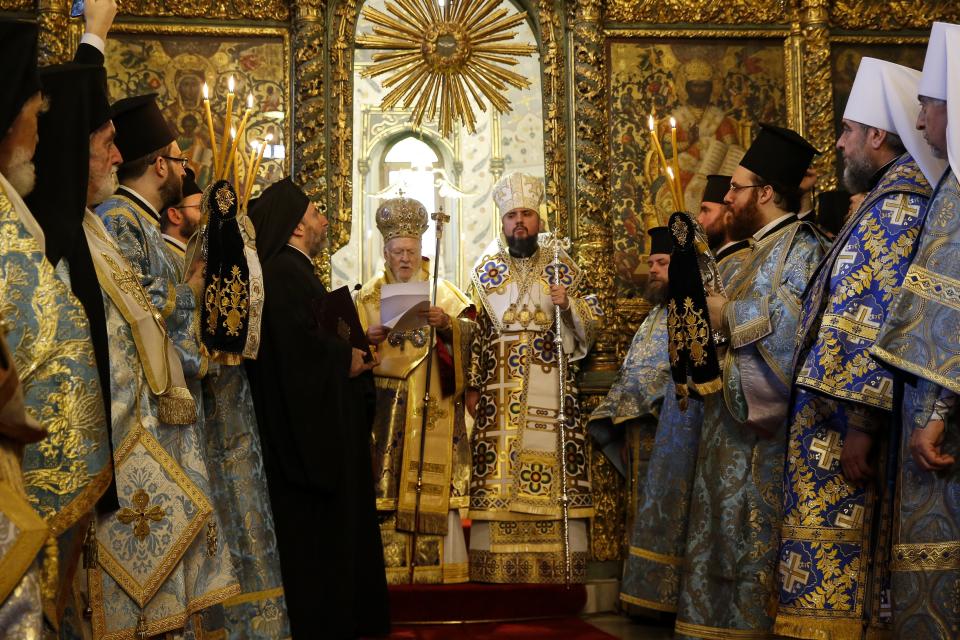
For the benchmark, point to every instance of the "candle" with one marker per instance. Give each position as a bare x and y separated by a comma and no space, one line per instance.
678,187
244,163
210,131
231,160
222,169
663,160
672,179
249,178
239,134
256,164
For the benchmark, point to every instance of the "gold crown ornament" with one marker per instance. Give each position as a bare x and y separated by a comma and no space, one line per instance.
518,191
401,218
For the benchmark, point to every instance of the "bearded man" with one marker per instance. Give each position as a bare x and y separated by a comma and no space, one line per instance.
179,222
840,415
515,386
313,395
401,380
734,522
714,218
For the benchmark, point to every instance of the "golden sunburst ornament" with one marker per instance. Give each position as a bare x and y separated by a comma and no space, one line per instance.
442,55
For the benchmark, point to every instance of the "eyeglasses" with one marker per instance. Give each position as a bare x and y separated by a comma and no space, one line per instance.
736,187
183,161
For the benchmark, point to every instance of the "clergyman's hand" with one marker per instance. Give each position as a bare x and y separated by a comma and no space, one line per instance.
925,446
437,318
357,364
98,16
377,333
853,457
472,398
558,295
195,277
715,309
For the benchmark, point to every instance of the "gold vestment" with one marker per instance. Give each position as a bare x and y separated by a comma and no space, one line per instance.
401,382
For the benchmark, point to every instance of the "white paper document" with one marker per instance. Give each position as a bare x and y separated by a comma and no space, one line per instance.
402,303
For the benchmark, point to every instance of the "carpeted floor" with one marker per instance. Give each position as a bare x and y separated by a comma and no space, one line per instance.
551,629
484,602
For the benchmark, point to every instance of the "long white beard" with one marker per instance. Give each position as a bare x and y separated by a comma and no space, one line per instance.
107,186
22,174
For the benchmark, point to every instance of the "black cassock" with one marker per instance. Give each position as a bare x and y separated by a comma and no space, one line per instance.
315,426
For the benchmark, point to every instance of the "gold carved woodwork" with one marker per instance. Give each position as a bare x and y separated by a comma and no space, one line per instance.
698,12
818,89
591,220
309,131
549,18
879,15
340,165
277,10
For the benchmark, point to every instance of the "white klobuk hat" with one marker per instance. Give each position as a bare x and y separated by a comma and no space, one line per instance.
941,80
884,95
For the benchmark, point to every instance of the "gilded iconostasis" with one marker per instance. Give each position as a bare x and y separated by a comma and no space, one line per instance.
594,73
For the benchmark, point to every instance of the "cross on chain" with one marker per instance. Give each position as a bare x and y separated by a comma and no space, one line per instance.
828,449
792,573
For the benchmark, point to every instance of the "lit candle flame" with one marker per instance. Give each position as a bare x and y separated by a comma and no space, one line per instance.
673,122
233,132
206,91
269,137
670,173
250,101
255,145
230,84
651,123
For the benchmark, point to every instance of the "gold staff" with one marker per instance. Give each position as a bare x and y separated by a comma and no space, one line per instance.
439,219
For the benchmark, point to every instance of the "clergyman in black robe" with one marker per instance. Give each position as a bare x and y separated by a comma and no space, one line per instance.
314,398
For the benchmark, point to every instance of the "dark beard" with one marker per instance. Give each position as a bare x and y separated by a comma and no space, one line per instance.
716,239
171,191
656,292
857,175
522,247
745,223
188,228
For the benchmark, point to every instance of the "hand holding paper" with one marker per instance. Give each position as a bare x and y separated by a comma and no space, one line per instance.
404,305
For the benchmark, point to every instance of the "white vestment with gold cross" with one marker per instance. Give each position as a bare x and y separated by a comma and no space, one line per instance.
517,533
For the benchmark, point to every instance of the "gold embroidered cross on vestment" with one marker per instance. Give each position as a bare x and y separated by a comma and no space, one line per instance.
141,514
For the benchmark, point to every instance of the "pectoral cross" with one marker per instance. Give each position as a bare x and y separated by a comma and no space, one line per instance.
828,449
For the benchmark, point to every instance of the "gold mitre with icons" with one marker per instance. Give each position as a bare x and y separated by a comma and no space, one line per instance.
401,218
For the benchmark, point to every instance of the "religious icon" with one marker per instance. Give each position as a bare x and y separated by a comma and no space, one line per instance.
715,92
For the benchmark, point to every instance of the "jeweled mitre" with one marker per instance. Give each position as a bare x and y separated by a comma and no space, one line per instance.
401,218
